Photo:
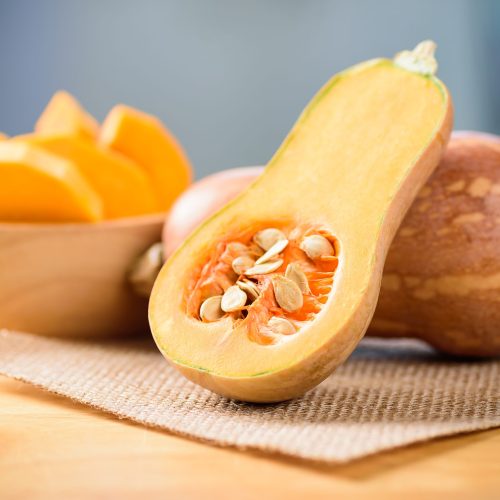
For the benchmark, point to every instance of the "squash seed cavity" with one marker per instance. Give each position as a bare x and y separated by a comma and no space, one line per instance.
283,278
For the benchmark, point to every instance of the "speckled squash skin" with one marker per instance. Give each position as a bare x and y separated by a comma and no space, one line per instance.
441,279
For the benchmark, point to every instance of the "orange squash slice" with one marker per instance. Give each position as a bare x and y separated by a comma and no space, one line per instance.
142,138
37,186
65,115
124,188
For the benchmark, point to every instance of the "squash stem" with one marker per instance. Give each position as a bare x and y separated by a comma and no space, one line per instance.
419,60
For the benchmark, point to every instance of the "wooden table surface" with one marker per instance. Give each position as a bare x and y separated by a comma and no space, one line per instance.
51,447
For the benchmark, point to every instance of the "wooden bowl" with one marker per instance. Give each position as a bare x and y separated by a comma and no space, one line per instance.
70,280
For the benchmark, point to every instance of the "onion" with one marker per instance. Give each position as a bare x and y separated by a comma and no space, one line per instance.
473,134
201,200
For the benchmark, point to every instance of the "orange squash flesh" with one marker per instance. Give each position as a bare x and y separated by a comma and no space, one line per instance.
146,141
37,186
65,115
352,164
217,275
3,136
122,185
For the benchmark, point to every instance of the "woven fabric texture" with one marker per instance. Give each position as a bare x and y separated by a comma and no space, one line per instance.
388,394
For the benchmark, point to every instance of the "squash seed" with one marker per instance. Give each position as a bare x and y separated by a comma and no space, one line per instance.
294,272
316,246
268,237
234,299
280,326
266,268
250,288
237,247
287,294
242,263
210,309
274,251
254,250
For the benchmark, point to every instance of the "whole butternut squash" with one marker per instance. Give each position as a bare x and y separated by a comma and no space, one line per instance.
441,279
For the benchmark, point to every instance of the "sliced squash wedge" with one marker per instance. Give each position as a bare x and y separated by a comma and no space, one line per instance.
124,188
64,115
144,139
37,186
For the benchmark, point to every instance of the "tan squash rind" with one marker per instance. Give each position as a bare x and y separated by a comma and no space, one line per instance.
442,275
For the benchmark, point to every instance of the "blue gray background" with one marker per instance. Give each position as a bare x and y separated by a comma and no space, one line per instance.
229,77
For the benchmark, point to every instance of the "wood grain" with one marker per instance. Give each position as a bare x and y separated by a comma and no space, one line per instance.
54,448
70,280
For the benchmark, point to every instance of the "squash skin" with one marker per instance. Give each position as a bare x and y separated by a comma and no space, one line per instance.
328,349
442,274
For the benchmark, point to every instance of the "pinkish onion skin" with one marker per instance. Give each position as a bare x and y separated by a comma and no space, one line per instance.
473,134
201,200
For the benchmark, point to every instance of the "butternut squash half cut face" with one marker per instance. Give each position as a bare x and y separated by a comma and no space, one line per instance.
272,293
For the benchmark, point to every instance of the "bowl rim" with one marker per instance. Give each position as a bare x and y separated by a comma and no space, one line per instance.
125,222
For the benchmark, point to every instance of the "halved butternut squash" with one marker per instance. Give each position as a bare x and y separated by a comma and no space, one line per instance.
37,186
266,298
125,190
143,138
64,115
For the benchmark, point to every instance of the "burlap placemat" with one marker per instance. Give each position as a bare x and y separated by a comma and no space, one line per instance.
388,394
